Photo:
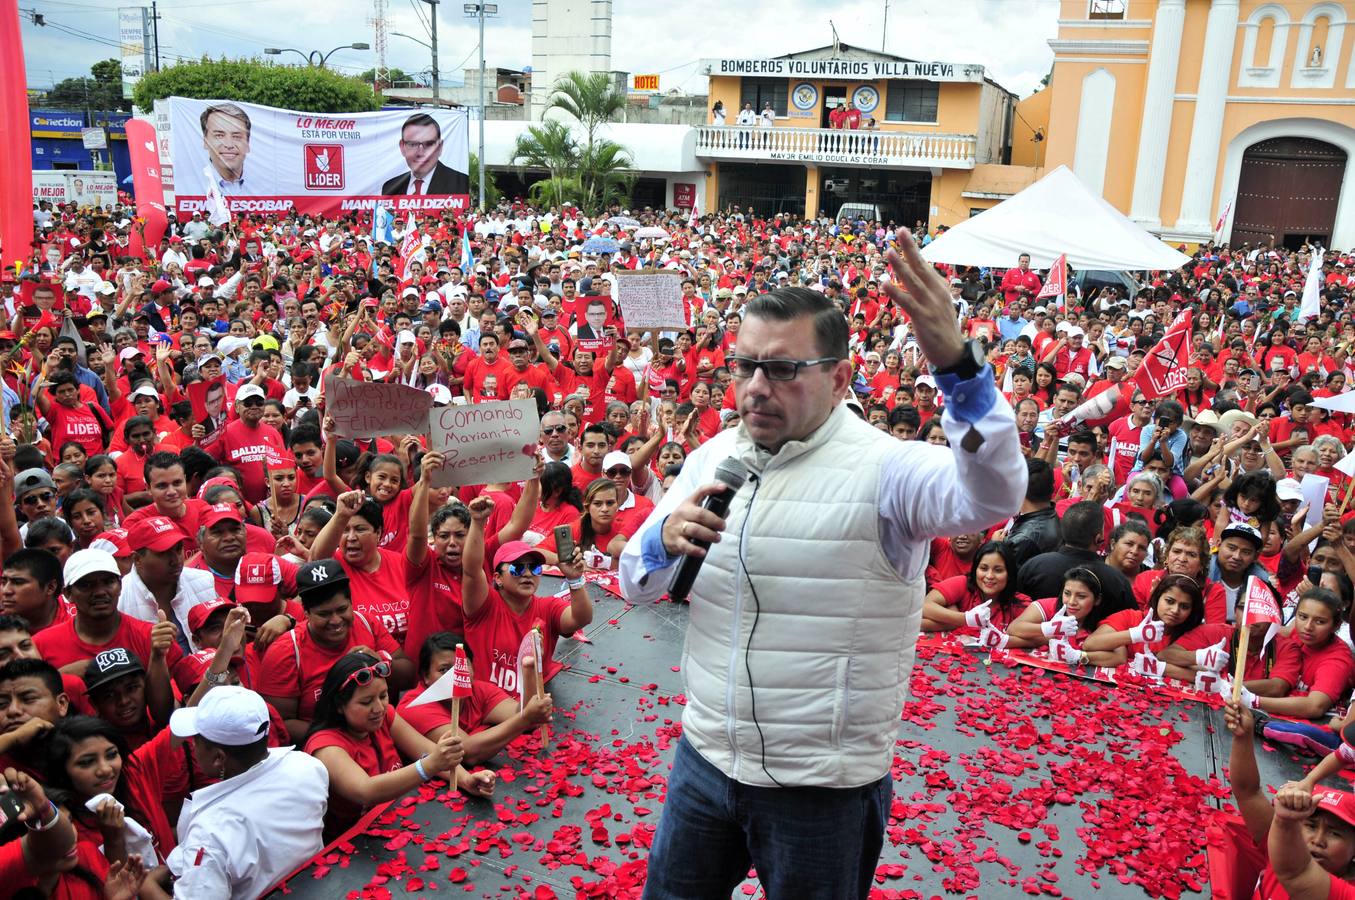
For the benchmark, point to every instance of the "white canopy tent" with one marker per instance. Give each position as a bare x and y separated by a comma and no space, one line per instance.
1055,215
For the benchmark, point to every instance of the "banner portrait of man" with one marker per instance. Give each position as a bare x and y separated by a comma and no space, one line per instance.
225,135
421,145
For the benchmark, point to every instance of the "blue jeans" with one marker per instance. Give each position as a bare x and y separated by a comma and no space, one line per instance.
805,842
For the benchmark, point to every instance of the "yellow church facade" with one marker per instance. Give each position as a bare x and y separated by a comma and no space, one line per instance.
1229,120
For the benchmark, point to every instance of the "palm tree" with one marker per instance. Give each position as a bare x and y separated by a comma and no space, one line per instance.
590,100
608,164
550,146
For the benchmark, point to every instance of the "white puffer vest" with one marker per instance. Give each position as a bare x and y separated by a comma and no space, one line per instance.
799,624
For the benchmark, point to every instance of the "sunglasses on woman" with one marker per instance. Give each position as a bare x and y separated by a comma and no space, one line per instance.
364,676
517,570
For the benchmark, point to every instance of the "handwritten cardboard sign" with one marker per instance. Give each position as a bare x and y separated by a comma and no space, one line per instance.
484,443
651,299
368,409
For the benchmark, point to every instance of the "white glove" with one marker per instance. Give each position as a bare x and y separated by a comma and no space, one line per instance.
1060,626
1213,658
1148,665
980,616
992,639
1064,652
1248,699
1209,682
1148,631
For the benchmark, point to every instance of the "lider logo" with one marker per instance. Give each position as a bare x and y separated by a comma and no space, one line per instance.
324,167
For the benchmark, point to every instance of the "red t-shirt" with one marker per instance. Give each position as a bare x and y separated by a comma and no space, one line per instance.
944,563
61,646
381,595
1209,635
1126,619
434,601
495,632
376,754
1124,447
245,449
629,520
295,666
154,772
81,425
69,886
484,696
1327,669
395,521
956,594
188,522
1271,889
583,477
546,519
476,371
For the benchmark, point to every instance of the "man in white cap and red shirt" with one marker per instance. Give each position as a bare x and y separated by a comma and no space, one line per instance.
243,443
226,848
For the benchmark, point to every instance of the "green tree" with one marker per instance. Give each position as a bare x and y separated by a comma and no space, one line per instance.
304,88
101,92
397,76
492,193
590,100
551,146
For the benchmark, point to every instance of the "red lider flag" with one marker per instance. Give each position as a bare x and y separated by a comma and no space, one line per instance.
461,681
1057,284
1261,606
1164,368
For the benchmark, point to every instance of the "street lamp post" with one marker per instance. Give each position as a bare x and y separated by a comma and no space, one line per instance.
479,9
315,57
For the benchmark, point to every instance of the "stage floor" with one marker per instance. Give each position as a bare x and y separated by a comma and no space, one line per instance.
1009,782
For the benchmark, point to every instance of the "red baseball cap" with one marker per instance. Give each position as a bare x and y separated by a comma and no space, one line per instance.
1339,803
190,670
158,533
221,512
114,540
257,577
198,615
514,551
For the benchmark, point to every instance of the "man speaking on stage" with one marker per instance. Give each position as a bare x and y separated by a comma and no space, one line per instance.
806,609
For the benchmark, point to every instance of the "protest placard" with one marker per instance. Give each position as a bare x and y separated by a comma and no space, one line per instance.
368,409
483,443
651,299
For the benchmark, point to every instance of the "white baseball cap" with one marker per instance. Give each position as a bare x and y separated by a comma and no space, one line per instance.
247,391
228,715
1288,489
87,562
441,395
616,458
406,337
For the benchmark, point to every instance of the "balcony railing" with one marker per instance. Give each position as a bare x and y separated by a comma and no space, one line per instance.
829,146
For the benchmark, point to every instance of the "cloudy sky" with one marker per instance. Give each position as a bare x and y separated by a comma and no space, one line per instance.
1007,36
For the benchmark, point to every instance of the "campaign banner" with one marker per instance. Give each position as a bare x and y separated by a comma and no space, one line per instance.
484,443
80,188
268,160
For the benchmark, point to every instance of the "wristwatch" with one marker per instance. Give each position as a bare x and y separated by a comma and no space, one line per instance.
216,680
971,362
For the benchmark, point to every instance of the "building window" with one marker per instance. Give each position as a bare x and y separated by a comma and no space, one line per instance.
1106,9
758,91
911,101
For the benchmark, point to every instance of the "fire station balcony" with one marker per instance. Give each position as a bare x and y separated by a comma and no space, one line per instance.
833,147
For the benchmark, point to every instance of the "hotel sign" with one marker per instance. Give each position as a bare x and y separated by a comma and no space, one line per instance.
854,69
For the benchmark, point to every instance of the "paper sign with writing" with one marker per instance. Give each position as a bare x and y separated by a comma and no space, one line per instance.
651,299
483,443
368,409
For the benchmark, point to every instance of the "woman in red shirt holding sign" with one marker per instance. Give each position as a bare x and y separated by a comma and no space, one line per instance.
363,745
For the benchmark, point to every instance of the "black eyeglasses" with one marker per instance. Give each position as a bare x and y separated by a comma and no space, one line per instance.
520,569
35,499
554,429
774,369
365,675
618,472
252,402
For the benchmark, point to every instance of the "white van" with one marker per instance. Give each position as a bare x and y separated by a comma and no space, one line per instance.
854,211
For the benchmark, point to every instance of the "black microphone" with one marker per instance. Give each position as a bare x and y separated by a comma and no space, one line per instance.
732,474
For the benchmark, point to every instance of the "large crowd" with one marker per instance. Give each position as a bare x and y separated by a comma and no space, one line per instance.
186,596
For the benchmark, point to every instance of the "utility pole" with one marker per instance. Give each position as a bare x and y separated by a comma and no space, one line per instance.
155,33
480,9
433,31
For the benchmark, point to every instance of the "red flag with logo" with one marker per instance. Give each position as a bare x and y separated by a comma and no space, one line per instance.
1057,285
461,681
1261,606
1164,368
